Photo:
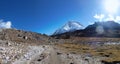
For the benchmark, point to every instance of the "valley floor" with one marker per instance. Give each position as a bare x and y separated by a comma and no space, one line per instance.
17,53
62,53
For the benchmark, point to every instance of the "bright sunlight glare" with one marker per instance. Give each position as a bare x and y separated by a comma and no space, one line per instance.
111,6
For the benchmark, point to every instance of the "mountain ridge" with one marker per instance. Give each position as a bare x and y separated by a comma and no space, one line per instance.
70,26
98,29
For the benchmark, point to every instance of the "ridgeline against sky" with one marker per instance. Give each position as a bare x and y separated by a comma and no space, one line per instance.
45,16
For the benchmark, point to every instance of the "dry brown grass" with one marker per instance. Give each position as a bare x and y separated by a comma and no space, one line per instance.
76,48
0,61
109,52
95,39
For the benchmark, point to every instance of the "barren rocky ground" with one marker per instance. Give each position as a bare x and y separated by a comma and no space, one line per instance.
21,47
14,53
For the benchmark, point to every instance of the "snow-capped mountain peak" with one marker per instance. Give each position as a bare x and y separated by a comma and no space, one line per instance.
69,27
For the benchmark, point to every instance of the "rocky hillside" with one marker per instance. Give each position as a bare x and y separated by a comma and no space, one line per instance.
22,36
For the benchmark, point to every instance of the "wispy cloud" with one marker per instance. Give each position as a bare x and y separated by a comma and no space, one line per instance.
117,19
103,17
109,18
99,17
7,24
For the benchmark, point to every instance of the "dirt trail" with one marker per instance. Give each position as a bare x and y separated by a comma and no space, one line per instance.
39,55
49,55
54,58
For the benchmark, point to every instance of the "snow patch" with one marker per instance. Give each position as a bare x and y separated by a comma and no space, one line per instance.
69,27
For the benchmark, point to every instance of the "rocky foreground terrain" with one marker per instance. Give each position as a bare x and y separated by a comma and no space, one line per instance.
21,53
24,47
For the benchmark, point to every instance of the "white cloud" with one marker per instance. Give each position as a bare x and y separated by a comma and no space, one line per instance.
117,18
109,18
113,18
7,24
99,17
103,17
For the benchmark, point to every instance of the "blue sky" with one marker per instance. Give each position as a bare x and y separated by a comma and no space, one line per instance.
45,16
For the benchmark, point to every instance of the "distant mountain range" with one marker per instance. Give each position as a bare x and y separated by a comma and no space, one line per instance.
98,29
69,27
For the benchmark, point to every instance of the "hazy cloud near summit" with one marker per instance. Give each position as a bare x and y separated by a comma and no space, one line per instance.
103,17
99,17
7,24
